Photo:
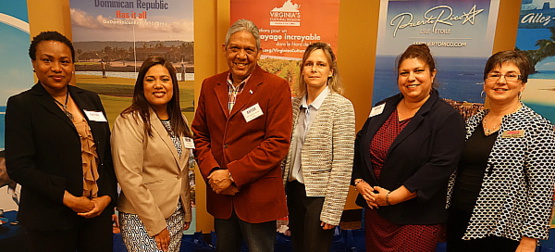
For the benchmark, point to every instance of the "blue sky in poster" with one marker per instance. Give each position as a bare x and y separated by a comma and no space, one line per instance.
17,9
15,62
88,16
539,92
535,4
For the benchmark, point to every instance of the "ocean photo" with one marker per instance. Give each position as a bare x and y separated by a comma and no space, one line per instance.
459,79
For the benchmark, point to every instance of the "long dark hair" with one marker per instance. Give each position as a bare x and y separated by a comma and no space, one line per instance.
140,105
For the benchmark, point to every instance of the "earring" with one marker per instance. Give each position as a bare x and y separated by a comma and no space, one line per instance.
519,96
482,95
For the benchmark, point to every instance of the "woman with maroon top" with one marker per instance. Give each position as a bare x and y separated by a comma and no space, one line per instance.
404,155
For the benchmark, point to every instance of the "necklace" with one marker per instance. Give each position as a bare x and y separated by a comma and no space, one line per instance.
489,131
495,128
64,106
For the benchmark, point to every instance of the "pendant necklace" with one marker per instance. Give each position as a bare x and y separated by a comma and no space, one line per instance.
496,128
64,106
489,131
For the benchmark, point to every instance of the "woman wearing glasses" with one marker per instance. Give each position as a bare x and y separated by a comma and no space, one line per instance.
500,198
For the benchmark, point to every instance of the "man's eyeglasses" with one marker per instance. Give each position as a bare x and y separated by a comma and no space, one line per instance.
509,77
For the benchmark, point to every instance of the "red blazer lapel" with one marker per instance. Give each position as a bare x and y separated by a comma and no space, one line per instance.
222,94
248,91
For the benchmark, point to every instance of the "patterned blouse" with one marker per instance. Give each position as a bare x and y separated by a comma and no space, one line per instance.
516,198
175,139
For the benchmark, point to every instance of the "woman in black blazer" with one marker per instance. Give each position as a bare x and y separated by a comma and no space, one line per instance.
404,155
58,149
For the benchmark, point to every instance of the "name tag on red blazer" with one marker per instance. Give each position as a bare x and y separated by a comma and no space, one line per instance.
252,112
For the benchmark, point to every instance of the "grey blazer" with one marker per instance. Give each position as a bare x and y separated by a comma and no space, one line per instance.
327,154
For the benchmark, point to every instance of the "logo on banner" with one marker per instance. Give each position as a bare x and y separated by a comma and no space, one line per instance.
286,15
439,16
538,18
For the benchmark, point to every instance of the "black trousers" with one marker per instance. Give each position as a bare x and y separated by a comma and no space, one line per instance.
304,220
260,237
456,226
89,235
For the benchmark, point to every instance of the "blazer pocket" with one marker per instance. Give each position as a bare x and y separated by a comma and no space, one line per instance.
152,182
320,171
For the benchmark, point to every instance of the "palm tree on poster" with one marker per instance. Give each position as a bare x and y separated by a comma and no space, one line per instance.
546,49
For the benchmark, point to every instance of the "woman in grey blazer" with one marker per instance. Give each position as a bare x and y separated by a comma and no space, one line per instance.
151,146
318,166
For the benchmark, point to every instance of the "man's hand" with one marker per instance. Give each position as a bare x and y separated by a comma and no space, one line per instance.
231,190
219,180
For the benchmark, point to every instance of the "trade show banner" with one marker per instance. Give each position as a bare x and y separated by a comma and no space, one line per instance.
113,38
17,76
536,37
459,34
287,27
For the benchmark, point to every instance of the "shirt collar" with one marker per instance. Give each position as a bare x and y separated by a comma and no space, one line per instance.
230,81
317,103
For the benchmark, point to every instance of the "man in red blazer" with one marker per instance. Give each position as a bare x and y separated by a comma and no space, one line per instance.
242,130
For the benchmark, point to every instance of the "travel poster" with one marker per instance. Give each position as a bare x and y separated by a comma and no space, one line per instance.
287,27
536,37
113,38
17,77
459,34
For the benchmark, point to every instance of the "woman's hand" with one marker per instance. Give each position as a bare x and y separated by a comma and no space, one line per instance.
186,225
100,204
326,226
527,245
77,204
385,197
380,196
163,240
366,191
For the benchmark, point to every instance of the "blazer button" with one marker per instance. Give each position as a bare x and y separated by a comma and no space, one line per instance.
225,146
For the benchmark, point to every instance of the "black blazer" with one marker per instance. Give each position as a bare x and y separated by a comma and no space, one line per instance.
43,154
421,158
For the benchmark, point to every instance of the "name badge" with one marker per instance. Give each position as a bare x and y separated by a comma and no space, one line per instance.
512,134
252,112
188,143
377,110
95,116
